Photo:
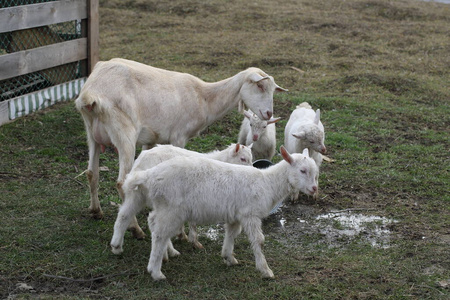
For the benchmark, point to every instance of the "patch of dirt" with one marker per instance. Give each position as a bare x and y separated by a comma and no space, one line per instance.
300,224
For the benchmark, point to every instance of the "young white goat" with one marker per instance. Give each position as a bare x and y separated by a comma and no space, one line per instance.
134,200
124,103
205,191
304,130
260,133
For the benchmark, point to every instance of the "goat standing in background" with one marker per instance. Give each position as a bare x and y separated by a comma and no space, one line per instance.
305,130
260,133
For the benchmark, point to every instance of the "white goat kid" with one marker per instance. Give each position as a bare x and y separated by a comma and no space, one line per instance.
260,133
134,200
125,103
205,191
305,130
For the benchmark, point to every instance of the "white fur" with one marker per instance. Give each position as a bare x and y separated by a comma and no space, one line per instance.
260,133
124,103
305,130
205,191
134,199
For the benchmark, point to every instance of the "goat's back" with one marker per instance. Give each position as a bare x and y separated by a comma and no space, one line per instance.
163,106
156,155
301,115
204,190
199,175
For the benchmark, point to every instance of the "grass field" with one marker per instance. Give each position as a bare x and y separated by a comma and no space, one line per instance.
379,72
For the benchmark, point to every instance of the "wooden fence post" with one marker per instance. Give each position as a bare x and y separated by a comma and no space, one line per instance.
93,34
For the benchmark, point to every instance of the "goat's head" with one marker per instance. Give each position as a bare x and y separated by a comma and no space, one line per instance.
303,173
240,155
257,92
258,126
312,137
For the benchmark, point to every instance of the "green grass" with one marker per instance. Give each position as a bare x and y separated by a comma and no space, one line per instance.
378,70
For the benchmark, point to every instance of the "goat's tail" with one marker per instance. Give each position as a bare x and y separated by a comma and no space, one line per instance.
88,102
135,180
305,105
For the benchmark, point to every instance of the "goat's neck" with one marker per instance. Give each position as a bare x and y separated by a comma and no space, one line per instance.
222,96
216,154
277,182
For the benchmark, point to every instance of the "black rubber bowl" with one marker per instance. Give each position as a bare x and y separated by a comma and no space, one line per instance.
262,163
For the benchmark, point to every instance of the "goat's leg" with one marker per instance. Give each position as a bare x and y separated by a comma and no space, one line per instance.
295,196
231,232
126,158
92,175
162,225
182,234
133,204
159,248
252,228
171,251
193,236
126,151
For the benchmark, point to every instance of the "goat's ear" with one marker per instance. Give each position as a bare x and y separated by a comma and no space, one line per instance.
301,135
280,89
250,146
238,147
247,114
305,152
273,120
286,156
317,117
255,77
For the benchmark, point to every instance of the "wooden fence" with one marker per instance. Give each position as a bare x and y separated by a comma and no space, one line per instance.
82,51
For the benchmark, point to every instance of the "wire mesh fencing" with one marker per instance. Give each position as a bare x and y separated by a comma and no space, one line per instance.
26,39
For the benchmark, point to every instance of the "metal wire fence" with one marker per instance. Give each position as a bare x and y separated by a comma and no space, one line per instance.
10,3
20,40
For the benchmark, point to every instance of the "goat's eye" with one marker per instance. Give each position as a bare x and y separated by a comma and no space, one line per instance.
312,142
260,87
303,171
243,159
264,126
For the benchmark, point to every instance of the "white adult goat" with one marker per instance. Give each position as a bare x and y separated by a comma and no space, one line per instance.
124,103
305,130
135,201
260,133
205,191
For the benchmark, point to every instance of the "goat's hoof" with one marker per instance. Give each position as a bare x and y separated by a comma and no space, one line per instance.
157,275
198,245
96,213
116,249
230,261
182,236
173,253
268,274
137,233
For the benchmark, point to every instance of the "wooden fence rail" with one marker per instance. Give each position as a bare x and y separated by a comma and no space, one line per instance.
84,49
